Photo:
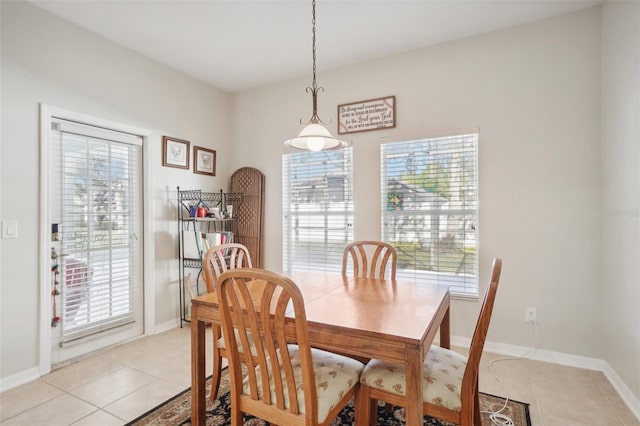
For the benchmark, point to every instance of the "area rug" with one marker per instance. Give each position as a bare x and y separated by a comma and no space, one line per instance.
177,411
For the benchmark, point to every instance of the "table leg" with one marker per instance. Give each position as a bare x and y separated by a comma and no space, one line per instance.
198,379
414,389
445,331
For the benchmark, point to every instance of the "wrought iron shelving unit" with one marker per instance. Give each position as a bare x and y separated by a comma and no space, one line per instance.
189,226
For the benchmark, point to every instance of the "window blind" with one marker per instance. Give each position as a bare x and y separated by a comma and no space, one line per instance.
97,186
317,199
430,209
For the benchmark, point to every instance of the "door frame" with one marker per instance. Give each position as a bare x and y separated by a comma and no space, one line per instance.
44,249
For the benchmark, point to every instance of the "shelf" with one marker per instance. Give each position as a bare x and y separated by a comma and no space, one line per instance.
206,219
190,245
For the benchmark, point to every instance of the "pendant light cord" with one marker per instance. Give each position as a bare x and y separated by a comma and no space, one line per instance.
313,38
314,89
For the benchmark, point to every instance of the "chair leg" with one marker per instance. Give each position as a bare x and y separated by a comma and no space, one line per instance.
215,377
477,419
236,416
363,407
217,366
373,412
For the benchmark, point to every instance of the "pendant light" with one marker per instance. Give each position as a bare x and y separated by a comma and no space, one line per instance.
315,136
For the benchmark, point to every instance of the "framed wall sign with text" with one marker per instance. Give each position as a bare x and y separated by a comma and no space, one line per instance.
362,116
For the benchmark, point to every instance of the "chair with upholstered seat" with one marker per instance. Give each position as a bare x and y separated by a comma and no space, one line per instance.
450,380
284,383
220,259
370,259
217,260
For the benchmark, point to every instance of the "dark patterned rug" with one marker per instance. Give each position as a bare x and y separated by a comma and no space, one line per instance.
177,411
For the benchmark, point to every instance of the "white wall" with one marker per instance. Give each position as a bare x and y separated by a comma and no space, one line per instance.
45,59
621,189
534,93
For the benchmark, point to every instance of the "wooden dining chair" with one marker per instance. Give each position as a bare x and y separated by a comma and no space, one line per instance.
286,383
220,259
450,380
370,259
217,260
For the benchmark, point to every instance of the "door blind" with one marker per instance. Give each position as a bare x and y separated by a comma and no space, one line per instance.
98,200
430,209
317,197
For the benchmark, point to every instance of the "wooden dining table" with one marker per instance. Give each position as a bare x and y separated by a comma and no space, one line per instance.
392,320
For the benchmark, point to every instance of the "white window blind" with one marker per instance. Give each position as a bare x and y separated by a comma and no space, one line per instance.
317,197
430,209
97,200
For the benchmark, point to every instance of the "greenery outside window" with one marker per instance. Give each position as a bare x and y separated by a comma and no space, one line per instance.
429,204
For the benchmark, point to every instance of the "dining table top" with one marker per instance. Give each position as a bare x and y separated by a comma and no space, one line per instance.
383,307
393,320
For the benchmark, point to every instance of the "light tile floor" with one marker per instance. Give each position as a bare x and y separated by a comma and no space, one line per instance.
115,386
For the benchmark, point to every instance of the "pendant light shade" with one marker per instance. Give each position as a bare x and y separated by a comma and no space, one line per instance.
315,136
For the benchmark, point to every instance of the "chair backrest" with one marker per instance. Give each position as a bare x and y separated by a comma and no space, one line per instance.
221,258
255,303
370,259
469,380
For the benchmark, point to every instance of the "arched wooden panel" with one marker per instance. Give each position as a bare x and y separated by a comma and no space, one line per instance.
250,212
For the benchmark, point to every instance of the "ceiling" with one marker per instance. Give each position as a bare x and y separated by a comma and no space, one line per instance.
240,44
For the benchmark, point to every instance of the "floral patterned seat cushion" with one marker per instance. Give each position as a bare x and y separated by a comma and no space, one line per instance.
335,375
442,373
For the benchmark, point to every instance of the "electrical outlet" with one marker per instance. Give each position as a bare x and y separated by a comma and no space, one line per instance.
530,315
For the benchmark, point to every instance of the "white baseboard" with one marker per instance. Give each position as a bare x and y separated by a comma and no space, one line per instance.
623,390
18,379
166,326
569,360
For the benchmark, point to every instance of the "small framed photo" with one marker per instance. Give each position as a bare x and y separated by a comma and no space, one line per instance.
204,161
175,152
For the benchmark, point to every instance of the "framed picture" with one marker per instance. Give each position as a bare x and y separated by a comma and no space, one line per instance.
363,116
204,161
175,152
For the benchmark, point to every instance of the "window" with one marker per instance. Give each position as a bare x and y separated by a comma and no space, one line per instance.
317,204
97,187
430,209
